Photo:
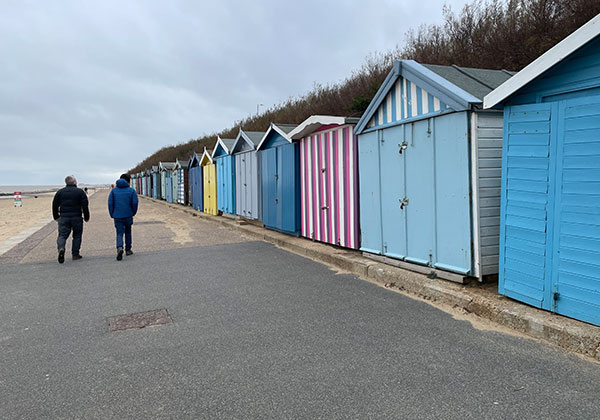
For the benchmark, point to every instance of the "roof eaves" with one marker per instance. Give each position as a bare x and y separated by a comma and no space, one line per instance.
379,97
550,58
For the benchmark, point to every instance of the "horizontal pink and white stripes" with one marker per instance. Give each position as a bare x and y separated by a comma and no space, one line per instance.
329,186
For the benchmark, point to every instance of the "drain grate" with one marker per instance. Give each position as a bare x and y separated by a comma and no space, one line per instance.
138,320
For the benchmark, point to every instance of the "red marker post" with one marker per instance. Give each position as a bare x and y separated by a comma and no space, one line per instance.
18,199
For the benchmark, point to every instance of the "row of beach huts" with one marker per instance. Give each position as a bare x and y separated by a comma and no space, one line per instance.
461,172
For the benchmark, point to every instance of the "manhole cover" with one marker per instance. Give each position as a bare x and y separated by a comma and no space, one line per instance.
151,222
138,320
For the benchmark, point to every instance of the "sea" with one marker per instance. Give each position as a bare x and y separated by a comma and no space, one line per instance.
9,190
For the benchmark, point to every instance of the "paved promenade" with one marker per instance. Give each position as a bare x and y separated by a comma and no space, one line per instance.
256,332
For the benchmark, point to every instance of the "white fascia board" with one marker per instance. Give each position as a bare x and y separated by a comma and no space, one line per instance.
219,142
312,123
241,137
278,130
553,56
207,155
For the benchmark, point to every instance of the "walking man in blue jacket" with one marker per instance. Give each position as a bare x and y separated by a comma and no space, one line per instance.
122,206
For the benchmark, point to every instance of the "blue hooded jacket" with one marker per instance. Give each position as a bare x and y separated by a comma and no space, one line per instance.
122,201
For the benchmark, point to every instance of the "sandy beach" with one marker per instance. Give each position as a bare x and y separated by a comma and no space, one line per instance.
14,220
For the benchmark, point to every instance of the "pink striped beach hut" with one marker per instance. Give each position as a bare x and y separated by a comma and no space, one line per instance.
329,180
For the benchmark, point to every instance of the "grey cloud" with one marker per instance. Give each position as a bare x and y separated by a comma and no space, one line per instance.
92,88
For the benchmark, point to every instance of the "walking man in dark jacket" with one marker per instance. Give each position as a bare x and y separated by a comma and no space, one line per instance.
68,205
122,206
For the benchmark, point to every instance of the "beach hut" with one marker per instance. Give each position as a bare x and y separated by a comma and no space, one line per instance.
175,181
329,180
550,212
430,170
155,182
209,181
247,174
280,177
166,168
196,182
143,182
148,179
182,183
225,165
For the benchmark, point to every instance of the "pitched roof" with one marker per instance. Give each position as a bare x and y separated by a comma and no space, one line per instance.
550,58
251,138
478,82
313,122
281,129
458,87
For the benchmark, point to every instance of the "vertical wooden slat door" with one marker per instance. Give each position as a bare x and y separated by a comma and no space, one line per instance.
393,190
526,203
576,230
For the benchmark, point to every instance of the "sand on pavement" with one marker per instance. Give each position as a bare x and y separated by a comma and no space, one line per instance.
14,220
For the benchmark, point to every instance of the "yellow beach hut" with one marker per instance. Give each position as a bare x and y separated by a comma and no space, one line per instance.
209,176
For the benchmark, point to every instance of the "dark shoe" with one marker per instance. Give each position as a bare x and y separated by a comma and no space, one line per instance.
61,256
119,254
128,252
77,257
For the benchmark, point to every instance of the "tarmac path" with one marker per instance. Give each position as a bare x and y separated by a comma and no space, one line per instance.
256,332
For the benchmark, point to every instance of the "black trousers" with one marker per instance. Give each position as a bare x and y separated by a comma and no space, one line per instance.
65,226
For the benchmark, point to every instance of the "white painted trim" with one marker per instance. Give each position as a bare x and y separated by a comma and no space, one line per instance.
554,55
475,197
278,130
313,122
219,142
208,156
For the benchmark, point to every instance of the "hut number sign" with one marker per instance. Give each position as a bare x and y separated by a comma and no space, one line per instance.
18,199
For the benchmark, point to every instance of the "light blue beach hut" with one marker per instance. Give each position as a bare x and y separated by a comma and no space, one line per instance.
550,214
247,174
225,163
429,170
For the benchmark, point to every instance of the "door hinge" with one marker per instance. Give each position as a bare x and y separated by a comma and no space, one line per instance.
402,146
403,203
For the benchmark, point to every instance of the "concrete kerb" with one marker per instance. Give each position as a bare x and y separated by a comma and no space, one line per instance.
569,334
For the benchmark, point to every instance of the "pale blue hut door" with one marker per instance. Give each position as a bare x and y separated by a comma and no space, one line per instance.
420,184
249,182
393,195
370,192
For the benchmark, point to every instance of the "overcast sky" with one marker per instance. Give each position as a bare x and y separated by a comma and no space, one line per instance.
91,88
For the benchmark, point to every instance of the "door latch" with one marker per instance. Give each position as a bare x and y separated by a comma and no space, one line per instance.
276,176
555,296
403,203
402,146
324,208
323,170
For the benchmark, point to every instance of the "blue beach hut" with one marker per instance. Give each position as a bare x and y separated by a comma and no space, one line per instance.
429,170
195,182
550,214
280,177
225,163
155,182
247,174
166,170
